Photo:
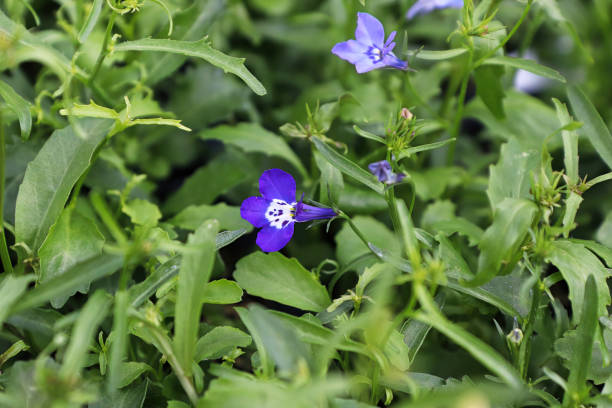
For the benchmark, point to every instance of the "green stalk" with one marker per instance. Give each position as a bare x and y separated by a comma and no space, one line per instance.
103,50
459,114
4,254
525,347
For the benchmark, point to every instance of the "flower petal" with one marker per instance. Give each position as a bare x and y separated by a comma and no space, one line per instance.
253,209
276,183
390,60
367,64
370,30
426,6
351,51
307,212
271,239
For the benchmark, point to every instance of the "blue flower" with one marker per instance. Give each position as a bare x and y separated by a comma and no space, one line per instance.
427,6
277,210
382,170
369,50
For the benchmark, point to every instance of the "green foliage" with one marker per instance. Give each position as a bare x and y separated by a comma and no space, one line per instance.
132,132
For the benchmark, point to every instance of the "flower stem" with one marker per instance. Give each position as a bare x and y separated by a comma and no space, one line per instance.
4,254
103,50
525,347
459,113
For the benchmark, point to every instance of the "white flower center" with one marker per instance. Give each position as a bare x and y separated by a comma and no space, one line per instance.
280,213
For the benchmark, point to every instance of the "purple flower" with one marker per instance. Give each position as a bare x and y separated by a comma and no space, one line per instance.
277,210
382,170
369,50
427,6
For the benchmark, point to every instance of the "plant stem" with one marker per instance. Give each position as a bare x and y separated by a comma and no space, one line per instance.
103,50
4,254
459,113
525,348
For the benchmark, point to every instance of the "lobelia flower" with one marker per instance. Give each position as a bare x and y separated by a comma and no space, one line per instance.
277,210
369,50
382,170
427,6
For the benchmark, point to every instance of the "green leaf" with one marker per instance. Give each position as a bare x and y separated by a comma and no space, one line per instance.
331,182
90,317
142,212
527,65
510,177
369,135
312,332
282,280
73,239
279,339
200,49
266,364
577,389
349,246
572,203
15,348
11,289
576,263
20,106
193,216
594,128
251,137
90,22
501,242
490,90
191,287
222,292
481,351
219,176
439,55
220,341
347,167
423,148
130,371
82,273
50,177
570,143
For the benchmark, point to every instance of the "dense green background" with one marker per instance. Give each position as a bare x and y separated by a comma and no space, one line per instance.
129,149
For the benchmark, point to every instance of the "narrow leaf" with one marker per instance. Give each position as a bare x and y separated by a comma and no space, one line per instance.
90,22
193,275
346,166
527,65
593,127
439,55
20,106
200,49
570,143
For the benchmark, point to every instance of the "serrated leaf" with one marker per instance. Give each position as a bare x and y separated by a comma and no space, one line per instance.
50,177
142,212
283,280
576,263
251,137
200,49
20,106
